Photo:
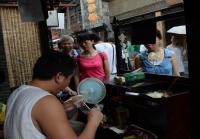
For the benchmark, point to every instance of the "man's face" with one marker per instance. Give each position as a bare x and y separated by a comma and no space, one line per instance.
66,82
61,82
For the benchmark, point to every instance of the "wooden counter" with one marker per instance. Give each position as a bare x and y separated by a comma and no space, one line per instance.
169,118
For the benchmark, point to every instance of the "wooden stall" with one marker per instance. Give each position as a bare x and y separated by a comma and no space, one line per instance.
168,117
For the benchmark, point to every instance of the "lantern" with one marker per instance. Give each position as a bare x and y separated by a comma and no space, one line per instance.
91,1
92,17
92,8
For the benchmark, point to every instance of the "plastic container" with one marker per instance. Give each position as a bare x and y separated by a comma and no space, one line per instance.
131,78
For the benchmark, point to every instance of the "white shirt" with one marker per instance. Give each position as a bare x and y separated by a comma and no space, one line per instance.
179,56
142,48
110,50
18,123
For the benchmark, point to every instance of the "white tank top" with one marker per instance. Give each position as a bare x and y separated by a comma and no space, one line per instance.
18,123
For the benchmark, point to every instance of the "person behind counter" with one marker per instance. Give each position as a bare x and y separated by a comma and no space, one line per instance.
177,46
157,60
33,111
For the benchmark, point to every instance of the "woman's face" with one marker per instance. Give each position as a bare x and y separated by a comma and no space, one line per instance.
67,46
153,47
87,45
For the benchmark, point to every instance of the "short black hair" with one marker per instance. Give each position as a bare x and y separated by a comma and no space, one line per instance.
51,63
95,37
85,36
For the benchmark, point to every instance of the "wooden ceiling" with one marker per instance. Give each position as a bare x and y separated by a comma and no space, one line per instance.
61,4
49,4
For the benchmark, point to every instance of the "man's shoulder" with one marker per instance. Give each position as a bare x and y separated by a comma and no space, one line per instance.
107,44
47,103
49,98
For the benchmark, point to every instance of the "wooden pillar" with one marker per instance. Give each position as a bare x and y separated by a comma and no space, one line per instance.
45,44
161,26
68,20
118,46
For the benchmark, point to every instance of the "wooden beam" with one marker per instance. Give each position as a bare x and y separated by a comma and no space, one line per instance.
8,5
67,5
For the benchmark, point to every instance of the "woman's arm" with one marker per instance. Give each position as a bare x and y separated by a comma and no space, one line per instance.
106,65
106,70
175,67
137,62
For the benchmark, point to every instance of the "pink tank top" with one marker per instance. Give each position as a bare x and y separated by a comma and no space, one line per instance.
92,66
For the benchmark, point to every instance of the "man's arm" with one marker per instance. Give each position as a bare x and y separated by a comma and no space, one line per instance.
50,118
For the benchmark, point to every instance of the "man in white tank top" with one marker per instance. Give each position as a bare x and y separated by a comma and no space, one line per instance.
34,112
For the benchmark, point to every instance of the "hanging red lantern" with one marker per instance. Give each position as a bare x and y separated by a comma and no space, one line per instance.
92,17
91,1
92,8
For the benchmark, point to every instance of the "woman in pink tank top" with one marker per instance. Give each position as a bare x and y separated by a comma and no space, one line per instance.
91,63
